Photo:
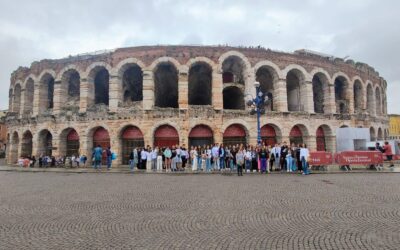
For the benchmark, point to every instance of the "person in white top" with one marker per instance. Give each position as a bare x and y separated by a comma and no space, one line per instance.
215,156
304,155
208,160
154,155
247,157
159,160
149,159
194,159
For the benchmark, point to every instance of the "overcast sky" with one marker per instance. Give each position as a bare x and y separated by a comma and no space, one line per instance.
365,30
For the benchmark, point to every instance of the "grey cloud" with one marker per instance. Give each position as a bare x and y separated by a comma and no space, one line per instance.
366,30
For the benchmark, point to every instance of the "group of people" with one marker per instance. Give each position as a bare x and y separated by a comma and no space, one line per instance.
217,157
45,161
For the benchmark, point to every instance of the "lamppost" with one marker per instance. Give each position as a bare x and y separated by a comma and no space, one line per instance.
258,107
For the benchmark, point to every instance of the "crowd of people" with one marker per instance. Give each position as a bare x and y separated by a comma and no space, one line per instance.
217,157
45,161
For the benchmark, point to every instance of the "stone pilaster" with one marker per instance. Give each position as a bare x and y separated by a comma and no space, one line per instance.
183,84
307,97
281,96
217,88
148,90
23,101
350,99
60,97
36,99
115,93
332,101
86,95
311,142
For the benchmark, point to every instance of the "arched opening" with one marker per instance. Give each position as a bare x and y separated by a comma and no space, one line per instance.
131,138
372,134
26,147
132,84
234,134
45,145
17,99
166,86
267,77
233,98
342,104
201,135
14,147
378,101
101,138
46,92
320,92
370,100
294,80
358,96
166,136
321,143
380,134
200,81
29,95
101,86
233,70
72,143
70,83
296,135
268,135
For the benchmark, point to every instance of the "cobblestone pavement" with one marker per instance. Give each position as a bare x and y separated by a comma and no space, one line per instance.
335,211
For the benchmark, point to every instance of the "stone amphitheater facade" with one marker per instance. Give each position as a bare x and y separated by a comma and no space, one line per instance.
159,95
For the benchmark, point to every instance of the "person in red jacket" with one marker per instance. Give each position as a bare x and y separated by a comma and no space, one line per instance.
389,153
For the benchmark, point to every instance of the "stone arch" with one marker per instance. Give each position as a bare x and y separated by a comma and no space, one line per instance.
46,90
17,98
45,143
298,134
202,59
342,93
200,83
70,87
370,99
27,144
321,93
164,60
324,138
234,134
372,134
165,136
268,76
166,84
126,63
378,101
295,90
300,71
201,134
380,135
131,75
358,91
98,77
271,134
29,96
233,53
130,137
69,142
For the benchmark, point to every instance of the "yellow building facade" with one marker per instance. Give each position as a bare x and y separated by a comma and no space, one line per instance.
394,126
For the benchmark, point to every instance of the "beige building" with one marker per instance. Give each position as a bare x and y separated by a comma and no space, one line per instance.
163,95
3,132
394,127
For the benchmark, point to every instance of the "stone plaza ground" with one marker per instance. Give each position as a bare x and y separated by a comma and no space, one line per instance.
152,211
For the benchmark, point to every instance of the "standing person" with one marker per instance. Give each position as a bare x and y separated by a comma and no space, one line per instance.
159,161
143,157
208,160
284,153
298,159
389,153
240,161
109,157
221,157
263,155
234,152
97,156
148,158
154,155
215,155
247,158
271,158
131,160
304,154
167,155
33,160
254,158
289,161
184,157
199,158
194,159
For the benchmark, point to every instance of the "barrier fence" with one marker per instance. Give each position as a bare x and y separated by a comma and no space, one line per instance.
348,158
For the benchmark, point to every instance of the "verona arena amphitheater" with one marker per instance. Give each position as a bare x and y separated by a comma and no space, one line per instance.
188,95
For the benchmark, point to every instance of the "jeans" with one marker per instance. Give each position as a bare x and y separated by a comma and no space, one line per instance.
199,163
240,170
131,164
221,163
231,165
289,163
216,163
305,166
263,162
248,165
154,164
208,164
97,164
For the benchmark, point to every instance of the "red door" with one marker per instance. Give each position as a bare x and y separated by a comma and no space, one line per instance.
166,136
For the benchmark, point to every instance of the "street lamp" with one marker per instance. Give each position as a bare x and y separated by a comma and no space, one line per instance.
258,107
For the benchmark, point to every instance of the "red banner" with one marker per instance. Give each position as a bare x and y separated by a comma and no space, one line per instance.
320,158
359,158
